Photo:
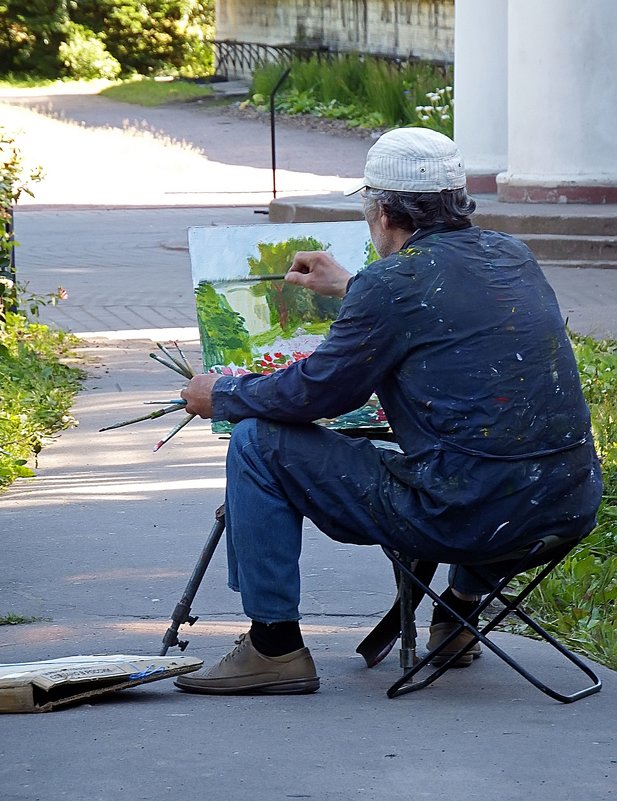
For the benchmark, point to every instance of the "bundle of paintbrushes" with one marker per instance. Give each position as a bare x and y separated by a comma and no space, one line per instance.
181,365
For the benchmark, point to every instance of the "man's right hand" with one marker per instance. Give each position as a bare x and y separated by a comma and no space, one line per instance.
318,271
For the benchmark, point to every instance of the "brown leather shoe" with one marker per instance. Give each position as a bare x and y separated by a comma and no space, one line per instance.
438,633
245,670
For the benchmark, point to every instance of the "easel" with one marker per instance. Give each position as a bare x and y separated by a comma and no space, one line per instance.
182,610
398,621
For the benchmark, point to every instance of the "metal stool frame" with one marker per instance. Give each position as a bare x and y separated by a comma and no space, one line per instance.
534,556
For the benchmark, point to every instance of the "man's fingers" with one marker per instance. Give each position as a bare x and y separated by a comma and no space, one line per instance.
296,278
305,261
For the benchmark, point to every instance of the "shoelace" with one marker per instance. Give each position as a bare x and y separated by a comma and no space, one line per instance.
240,643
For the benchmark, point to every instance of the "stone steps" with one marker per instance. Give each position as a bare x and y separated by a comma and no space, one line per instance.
580,264
565,236
545,247
528,222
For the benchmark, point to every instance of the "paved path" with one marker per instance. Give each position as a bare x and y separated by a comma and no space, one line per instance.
103,541
110,153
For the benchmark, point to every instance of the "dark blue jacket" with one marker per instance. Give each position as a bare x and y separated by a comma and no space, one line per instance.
461,337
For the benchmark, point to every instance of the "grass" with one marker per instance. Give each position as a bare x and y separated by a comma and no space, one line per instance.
138,90
153,92
24,81
18,620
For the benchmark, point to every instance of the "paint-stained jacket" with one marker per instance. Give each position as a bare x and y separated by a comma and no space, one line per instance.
461,337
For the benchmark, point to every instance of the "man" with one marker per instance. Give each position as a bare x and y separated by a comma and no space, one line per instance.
461,337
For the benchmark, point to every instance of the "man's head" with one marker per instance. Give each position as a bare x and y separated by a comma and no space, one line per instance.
413,178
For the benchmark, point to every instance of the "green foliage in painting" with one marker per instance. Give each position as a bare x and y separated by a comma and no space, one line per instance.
224,338
290,307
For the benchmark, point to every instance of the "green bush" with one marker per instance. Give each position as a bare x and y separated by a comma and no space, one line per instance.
14,180
36,391
36,388
198,61
150,37
85,57
30,35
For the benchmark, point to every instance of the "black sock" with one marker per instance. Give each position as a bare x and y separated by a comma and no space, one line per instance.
276,639
464,609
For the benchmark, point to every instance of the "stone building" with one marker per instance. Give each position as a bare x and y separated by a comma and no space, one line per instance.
536,98
396,28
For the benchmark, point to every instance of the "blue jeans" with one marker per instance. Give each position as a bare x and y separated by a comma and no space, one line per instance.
278,474
264,533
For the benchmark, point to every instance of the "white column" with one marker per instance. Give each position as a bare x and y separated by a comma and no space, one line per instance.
562,108
481,88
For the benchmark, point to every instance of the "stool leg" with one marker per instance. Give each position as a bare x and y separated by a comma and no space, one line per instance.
407,651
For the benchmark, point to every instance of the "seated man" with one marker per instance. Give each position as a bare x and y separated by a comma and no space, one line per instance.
460,336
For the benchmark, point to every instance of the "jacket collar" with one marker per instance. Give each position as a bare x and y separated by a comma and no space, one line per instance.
438,228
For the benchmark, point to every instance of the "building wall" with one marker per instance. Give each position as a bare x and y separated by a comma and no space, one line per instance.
420,28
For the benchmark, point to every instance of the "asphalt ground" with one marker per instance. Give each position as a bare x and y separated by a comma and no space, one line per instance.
101,544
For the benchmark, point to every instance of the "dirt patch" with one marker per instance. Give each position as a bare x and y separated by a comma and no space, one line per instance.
307,122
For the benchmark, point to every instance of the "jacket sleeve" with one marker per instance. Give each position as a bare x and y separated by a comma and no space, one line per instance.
336,378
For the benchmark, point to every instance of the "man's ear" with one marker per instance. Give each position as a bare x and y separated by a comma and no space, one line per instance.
385,221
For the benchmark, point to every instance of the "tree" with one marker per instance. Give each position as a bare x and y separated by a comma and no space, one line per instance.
289,306
30,35
145,36
150,35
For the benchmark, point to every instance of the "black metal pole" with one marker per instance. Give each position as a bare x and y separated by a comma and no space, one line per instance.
182,611
280,82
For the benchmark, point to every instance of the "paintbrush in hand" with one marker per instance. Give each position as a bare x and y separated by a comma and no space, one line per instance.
173,432
176,407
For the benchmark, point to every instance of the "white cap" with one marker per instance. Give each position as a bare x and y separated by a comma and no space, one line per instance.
413,160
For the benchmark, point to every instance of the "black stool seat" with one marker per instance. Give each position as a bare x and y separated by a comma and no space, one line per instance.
547,552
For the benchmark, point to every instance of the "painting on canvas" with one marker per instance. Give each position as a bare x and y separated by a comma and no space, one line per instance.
252,321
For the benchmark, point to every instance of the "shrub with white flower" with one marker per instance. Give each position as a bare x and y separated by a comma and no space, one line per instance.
439,113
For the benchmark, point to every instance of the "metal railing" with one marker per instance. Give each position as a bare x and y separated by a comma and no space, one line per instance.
241,59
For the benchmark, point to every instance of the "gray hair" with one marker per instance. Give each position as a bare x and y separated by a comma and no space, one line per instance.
412,210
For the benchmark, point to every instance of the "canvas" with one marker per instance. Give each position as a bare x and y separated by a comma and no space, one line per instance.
252,321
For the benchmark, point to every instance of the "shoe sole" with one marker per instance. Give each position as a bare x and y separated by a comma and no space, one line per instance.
464,661
299,687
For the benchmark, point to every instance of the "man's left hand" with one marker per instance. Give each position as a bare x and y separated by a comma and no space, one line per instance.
198,394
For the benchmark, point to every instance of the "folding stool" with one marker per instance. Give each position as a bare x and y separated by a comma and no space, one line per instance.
546,552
